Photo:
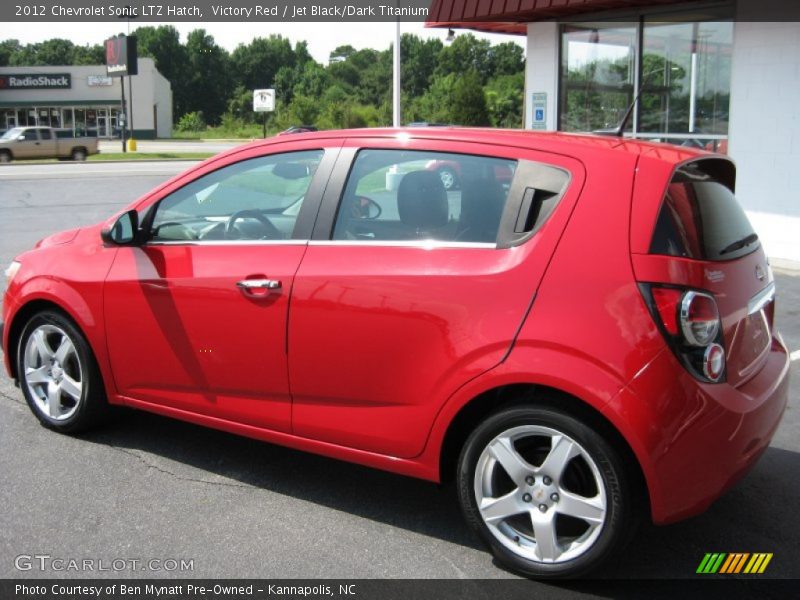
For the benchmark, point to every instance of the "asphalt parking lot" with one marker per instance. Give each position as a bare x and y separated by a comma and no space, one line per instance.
147,487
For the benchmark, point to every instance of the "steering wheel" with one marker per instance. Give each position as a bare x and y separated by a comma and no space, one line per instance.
232,233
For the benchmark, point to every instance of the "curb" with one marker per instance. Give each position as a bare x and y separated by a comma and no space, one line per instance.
790,267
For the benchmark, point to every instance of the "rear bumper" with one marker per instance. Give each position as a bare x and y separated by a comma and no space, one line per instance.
696,440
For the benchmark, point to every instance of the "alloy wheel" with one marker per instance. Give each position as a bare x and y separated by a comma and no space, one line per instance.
53,372
540,494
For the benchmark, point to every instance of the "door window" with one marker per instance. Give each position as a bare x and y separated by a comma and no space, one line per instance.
256,199
402,196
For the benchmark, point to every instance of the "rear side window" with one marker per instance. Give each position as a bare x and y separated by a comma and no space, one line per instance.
404,196
700,217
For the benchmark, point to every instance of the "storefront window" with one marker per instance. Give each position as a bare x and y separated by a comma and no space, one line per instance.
597,75
686,74
91,122
67,118
10,120
80,121
55,118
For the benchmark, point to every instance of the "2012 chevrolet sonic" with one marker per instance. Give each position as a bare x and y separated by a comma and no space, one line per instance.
580,332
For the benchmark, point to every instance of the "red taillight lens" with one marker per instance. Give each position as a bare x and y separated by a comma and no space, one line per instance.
690,322
699,318
667,301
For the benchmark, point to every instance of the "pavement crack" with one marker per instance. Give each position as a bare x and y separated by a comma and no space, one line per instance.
159,469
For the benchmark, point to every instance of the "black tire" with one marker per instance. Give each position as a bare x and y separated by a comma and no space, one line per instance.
74,413
5,156
78,154
448,177
595,477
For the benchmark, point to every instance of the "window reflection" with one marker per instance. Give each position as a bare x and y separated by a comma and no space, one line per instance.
597,75
686,72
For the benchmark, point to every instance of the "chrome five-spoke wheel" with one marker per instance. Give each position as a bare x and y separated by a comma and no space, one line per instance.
58,374
53,372
546,492
540,493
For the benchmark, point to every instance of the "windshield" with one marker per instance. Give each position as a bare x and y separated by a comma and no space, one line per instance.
12,134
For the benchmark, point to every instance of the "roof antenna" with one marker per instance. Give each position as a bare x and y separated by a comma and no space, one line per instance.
621,128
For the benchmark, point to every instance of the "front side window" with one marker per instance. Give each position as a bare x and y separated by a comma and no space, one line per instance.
256,199
403,196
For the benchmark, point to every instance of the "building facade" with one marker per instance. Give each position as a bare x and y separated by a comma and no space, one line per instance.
723,76
83,100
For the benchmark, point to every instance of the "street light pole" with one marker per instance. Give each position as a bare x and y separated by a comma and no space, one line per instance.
396,73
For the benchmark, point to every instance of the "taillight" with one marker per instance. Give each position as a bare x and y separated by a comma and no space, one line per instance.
690,322
699,318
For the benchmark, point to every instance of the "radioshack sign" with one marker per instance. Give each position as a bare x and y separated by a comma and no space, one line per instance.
121,56
36,81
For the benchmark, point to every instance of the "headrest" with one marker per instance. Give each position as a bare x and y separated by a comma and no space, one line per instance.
422,200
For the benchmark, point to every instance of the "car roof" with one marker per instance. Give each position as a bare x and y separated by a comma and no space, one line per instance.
548,141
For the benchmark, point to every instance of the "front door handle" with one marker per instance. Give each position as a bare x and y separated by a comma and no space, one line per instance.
259,284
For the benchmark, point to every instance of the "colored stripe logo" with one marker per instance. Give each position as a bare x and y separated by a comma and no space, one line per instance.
734,563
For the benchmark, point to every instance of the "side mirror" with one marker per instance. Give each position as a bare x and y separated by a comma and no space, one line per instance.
124,230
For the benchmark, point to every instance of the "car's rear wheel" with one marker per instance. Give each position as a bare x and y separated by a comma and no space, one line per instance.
58,374
79,154
547,493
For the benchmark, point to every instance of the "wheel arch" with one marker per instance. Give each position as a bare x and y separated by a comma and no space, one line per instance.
21,318
531,394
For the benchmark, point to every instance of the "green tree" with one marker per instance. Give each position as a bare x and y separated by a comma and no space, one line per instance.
434,105
312,81
256,64
505,59
208,83
8,48
163,45
468,101
504,99
466,53
418,63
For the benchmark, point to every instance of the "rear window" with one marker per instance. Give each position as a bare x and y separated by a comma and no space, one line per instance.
700,217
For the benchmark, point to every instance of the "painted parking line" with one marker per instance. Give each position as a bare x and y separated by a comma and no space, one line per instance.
794,355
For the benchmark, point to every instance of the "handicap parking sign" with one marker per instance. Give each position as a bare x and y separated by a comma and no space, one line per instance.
539,116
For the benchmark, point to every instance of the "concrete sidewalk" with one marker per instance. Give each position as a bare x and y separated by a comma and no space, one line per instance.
148,146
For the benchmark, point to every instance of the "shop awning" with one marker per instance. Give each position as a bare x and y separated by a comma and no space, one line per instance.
511,16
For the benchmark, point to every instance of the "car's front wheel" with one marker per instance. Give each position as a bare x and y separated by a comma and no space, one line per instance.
58,374
547,494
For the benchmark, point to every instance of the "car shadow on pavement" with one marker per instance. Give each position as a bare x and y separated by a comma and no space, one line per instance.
758,515
412,504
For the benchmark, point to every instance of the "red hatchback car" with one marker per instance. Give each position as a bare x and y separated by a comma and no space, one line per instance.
586,344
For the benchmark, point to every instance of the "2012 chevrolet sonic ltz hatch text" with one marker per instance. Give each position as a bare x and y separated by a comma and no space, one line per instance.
580,333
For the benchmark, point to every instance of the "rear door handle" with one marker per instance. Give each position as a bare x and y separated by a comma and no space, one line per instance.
259,284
